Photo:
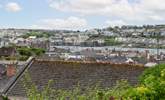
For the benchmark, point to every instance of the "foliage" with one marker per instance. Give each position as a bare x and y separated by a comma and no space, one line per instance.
4,97
154,79
23,58
37,34
33,93
25,51
111,41
20,58
38,51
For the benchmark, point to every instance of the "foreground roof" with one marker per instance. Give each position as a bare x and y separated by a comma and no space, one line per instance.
67,75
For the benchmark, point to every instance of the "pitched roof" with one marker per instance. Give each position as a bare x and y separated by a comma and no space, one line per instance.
2,69
7,51
67,75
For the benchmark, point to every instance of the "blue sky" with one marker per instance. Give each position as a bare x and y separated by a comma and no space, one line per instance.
79,14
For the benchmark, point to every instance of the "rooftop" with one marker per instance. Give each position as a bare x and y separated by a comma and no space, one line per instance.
67,75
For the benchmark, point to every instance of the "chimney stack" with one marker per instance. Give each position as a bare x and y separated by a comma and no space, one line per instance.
11,70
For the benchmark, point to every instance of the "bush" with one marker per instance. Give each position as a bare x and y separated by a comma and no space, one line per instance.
33,93
154,79
38,51
5,97
24,51
110,41
23,58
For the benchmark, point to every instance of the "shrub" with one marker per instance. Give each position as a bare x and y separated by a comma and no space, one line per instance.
23,58
154,79
33,93
24,51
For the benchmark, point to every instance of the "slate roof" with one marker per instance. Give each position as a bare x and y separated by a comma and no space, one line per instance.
3,77
2,70
7,82
67,75
7,51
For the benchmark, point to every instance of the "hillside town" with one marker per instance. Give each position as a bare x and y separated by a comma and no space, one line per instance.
129,43
126,45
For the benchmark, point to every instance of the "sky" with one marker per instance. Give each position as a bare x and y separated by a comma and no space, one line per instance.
79,14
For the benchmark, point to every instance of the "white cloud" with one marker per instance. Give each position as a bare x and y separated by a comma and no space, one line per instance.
139,11
155,17
68,23
13,7
115,23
